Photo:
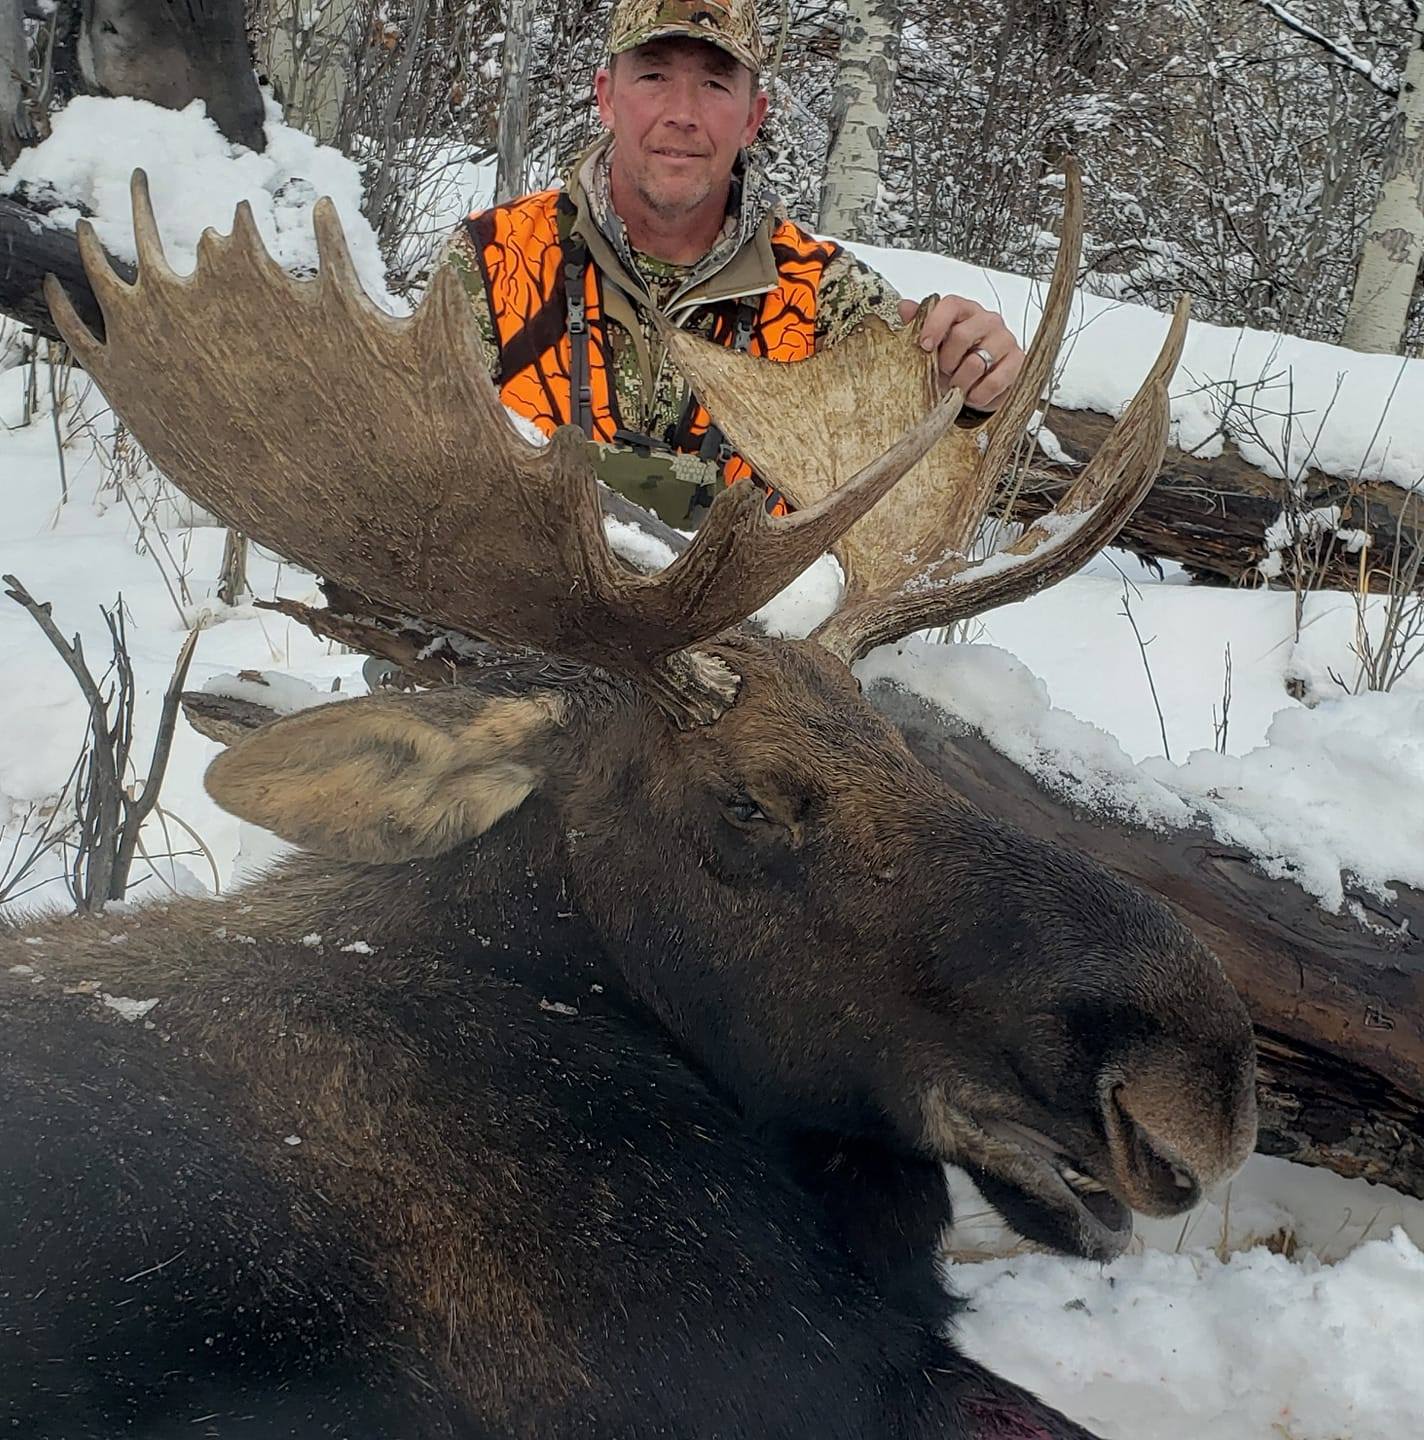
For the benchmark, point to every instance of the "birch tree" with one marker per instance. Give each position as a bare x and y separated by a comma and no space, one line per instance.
512,173
1394,240
14,68
305,48
860,117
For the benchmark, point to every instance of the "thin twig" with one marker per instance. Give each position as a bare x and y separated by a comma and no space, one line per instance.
1151,684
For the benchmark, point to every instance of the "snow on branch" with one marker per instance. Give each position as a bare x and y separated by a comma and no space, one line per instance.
1338,48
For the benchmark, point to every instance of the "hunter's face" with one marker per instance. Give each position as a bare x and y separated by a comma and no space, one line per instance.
681,110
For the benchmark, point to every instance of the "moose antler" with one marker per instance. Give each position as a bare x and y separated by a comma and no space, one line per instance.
374,451
907,564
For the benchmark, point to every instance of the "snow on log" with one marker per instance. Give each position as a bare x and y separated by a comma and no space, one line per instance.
1211,516
30,249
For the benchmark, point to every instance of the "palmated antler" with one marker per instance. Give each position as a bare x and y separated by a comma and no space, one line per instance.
907,563
374,451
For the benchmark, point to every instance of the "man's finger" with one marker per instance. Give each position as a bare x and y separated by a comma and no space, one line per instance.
978,331
975,351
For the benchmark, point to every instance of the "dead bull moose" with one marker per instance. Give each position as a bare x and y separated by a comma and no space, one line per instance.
591,1074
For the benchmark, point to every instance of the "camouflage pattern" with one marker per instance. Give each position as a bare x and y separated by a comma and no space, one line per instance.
849,292
730,25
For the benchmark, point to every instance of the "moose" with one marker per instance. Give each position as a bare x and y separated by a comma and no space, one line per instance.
591,1068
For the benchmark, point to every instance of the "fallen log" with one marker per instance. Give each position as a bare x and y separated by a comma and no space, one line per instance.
1338,1004
1211,515
31,248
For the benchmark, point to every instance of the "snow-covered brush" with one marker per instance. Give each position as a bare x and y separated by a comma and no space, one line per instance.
111,814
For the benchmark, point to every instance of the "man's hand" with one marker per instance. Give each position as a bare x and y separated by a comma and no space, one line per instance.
977,352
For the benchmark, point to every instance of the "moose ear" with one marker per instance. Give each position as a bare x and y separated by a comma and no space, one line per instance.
387,779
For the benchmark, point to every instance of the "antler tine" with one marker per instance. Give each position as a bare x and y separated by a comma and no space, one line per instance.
804,427
148,244
373,450
1094,509
1006,426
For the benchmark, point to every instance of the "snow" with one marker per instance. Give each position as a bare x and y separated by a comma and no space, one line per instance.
1293,404
283,694
1193,1347
1307,801
1287,1306
126,1008
1291,1305
196,178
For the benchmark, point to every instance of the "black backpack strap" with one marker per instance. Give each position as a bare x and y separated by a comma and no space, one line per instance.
576,264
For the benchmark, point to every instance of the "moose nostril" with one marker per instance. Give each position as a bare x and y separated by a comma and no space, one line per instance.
1156,1180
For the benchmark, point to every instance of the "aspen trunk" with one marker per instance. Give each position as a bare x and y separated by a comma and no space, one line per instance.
512,176
860,115
1394,242
14,67
305,53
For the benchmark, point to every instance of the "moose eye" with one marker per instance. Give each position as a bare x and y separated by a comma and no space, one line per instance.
745,810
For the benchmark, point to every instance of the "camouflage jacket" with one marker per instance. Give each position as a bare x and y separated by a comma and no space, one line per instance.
651,394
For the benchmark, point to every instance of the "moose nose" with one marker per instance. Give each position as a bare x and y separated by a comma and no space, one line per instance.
1154,1176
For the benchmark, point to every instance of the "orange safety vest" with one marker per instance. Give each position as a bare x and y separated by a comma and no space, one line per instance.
528,264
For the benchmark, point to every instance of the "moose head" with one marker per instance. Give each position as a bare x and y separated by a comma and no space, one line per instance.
834,936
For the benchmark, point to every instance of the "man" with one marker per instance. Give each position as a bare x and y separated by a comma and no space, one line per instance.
668,213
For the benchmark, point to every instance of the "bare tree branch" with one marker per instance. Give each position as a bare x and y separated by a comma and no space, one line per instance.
1337,48
109,818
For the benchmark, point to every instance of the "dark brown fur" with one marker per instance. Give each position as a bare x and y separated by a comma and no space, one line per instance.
778,925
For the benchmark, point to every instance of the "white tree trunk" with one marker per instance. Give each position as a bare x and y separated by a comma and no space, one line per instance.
860,114
1394,242
305,54
512,175
14,68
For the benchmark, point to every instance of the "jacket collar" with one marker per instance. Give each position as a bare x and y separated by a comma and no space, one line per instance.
740,263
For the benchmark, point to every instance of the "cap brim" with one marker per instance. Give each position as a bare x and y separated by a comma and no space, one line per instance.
739,53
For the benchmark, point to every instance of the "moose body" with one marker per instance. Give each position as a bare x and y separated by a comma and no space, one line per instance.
503,1218
558,1133
684,976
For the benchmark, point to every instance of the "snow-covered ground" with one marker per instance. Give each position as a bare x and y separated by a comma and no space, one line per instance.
1291,1307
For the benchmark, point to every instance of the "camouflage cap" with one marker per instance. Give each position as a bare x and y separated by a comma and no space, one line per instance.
730,25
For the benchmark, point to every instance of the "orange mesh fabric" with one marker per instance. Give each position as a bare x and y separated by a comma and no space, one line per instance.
785,327
522,260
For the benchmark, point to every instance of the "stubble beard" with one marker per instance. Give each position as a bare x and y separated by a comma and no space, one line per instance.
671,206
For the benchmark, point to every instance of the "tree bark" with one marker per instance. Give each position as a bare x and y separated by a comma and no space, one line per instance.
1211,516
171,55
1394,241
14,68
1338,1008
860,116
232,574
304,52
512,172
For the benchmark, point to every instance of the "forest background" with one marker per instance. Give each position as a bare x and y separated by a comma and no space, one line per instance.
1245,152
